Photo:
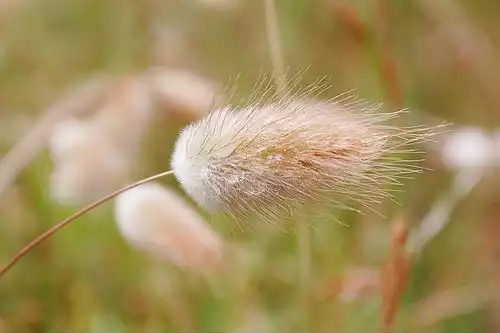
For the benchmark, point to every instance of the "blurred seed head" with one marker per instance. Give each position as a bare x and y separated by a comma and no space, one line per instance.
68,135
469,148
266,157
92,156
86,165
89,177
182,93
155,219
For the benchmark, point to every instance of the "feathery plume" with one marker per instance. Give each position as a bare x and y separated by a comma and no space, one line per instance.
264,158
157,220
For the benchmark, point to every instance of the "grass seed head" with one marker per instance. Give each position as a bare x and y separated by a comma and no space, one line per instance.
265,157
157,220
86,164
468,148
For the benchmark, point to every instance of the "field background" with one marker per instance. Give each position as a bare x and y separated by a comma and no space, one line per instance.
440,59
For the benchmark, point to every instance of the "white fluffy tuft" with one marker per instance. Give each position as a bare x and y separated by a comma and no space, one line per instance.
469,148
257,158
157,220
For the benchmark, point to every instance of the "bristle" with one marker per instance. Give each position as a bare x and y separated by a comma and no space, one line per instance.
268,157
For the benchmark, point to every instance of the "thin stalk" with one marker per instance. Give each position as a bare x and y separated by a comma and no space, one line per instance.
439,215
304,263
274,44
303,232
35,242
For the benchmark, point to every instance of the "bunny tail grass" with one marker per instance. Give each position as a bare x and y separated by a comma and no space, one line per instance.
25,250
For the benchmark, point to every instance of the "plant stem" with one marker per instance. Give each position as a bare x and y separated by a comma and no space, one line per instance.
26,249
275,49
304,265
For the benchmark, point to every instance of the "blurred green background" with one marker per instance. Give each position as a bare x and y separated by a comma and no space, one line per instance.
439,59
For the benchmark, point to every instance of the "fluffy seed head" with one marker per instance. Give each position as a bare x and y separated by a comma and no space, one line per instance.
267,156
469,148
157,220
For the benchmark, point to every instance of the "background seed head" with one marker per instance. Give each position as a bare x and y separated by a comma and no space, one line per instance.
182,94
93,170
157,220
